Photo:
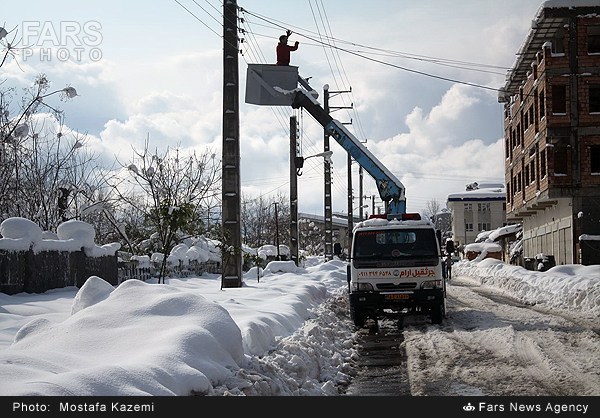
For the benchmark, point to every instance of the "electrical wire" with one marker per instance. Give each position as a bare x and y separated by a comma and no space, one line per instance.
327,40
197,18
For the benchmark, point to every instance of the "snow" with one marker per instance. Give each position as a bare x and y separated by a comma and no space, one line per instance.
569,3
483,247
20,234
483,192
286,332
588,237
505,230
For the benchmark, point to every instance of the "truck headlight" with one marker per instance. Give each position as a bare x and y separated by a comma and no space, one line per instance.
431,284
362,287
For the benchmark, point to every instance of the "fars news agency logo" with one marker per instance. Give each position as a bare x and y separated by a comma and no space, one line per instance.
468,407
61,41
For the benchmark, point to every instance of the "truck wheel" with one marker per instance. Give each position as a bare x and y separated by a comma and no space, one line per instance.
437,314
400,322
357,317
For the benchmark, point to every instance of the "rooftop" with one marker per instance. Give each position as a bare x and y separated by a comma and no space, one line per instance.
551,16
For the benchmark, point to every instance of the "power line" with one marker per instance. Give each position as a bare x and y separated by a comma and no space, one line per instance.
362,55
197,18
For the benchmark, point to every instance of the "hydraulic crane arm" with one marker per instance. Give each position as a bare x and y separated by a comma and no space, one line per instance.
391,190
277,85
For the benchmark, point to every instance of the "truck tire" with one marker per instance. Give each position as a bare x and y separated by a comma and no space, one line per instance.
437,314
358,317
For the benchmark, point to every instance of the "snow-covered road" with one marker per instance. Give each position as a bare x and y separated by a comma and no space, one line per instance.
493,345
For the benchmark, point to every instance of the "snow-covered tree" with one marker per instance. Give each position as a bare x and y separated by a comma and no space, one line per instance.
45,171
173,190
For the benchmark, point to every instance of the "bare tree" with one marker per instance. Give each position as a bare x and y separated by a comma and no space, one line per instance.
259,225
171,190
42,163
440,216
431,209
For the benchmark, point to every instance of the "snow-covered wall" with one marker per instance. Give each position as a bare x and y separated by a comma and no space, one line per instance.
33,261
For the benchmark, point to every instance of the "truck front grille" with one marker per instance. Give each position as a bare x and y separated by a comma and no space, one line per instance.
400,286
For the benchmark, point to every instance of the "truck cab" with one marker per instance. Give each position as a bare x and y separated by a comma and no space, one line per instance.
395,270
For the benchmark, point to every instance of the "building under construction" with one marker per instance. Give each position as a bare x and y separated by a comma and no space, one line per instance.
552,134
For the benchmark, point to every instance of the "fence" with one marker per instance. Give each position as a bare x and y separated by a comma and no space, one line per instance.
26,271
30,272
128,270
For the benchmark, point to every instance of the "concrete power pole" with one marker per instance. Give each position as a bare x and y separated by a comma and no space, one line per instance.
231,253
360,193
328,221
293,190
328,211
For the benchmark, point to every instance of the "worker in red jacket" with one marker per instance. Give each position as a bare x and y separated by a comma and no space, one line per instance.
283,49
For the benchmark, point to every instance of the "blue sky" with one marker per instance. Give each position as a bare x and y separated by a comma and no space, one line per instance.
159,76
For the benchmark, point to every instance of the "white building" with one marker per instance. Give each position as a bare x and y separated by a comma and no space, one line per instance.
481,207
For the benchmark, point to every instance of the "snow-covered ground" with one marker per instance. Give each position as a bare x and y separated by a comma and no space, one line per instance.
286,332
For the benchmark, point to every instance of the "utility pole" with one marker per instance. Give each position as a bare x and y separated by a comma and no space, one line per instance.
293,190
350,207
360,193
330,109
277,231
231,253
328,212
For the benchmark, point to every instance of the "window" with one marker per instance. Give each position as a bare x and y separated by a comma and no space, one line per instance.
560,160
543,163
483,207
595,159
559,99
593,41
527,174
532,169
542,105
468,227
558,43
468,207
531,115
393,245
594,93
484,227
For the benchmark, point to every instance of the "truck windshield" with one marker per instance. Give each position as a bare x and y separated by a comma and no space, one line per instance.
389,243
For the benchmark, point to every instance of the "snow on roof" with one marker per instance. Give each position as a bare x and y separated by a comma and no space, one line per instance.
587,237
553,4
480,247
505,230
498,193
482,236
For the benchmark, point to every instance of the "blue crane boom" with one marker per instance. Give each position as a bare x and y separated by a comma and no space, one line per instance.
391,190
274,85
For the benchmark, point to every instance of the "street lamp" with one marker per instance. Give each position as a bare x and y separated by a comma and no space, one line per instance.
299,161
360,207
